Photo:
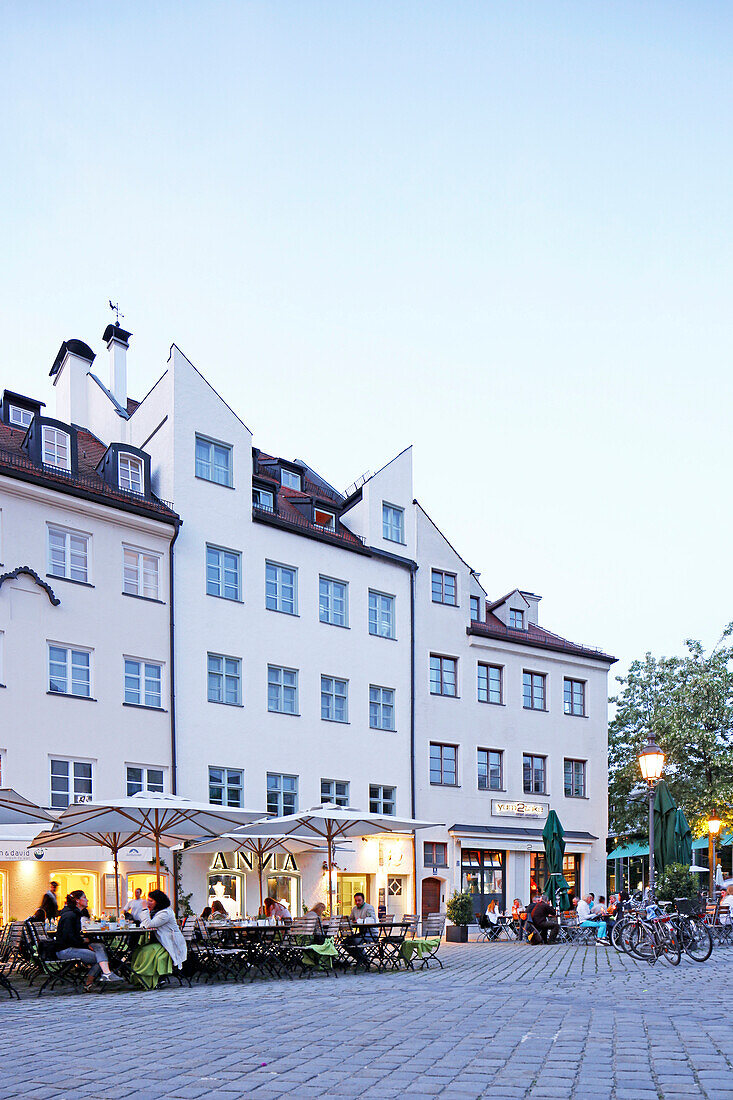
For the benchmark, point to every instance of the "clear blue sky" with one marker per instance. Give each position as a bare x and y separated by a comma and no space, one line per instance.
499,231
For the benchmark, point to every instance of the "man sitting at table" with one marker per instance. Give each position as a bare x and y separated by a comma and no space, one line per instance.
70,944
362,911
586,918
538,915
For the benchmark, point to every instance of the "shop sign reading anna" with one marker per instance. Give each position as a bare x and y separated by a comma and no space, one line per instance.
518,809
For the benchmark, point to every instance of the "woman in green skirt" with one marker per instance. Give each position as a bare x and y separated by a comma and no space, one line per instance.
155,960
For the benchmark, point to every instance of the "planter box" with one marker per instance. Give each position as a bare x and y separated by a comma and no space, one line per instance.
456,933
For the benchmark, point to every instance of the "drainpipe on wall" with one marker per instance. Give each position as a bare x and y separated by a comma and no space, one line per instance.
412,732
172,659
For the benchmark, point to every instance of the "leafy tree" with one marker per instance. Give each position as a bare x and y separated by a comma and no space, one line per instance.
687,702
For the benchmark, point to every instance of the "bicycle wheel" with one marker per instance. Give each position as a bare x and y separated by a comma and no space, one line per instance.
669,945
695,939
640,942
617,940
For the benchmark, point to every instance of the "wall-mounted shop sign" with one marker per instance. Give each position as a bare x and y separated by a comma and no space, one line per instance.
518,809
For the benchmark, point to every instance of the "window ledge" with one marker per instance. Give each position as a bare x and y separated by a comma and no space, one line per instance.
145,706
453,786
493,790
538,710
68,695
490,703
223,703
210,481
382,729
148,599
383,637
286,713
227,599
578,797
568,715
277,611
336,721
341,626
69,580
444,603
442,695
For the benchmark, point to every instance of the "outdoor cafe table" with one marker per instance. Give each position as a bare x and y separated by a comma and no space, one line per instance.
384,949
119,943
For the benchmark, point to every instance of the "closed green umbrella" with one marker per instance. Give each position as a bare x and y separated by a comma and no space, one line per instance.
553,838
665,815
682,839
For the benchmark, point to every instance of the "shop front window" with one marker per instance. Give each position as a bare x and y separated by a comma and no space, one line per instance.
346,887
77,880
145,881
482,876
538,874
226,888
286,890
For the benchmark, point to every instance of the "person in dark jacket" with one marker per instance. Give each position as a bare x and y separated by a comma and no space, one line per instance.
70,944
539,914
49,902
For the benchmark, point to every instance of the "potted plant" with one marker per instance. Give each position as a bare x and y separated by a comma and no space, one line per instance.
460,914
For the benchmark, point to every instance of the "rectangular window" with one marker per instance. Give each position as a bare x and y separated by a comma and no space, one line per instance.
443,765
490,770
490,687
575,778
444,587
223,573
393,523
141,574
382,799
443,675
334,699
333,605
69,671
213,461
516,619
381,708
282,689
143,683
381,614
263,498
334,791
282,794
141,779
56,448
533,774
71,781
475,609
21,418
281,593
224,679
289,479
533,690
226,787
435,854
324,519
130,473
574,692
68,554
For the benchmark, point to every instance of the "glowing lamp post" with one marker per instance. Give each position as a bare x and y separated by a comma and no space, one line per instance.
651,763
713,830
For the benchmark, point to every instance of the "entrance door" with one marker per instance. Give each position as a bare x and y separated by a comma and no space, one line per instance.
346,887
76,880
482,876
145,881
430,896
396,895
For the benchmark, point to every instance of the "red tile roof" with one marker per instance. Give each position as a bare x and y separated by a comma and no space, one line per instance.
535,636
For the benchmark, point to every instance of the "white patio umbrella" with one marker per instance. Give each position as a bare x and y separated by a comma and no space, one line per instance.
330,823
260,847
16,810
59,838
696,867
165,819
718,875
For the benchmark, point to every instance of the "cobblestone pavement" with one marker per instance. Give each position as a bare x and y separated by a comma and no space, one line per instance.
501,1020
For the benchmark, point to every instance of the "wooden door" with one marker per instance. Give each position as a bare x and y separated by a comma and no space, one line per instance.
430,896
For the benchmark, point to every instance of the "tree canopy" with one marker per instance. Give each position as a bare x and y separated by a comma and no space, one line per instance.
687,702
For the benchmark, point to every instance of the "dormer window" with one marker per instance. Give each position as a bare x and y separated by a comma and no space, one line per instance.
130,473
289,479
324,519
56,448
21,418
263,498
516,619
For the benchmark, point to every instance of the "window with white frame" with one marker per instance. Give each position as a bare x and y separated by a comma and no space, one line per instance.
333,601
281,593
574,697
56,448
289,479
69,671
393,523
334,699
263,498
443,675
213,461
575,778
443,765
334,791
226,787
324,519
21,418
282,689
475,609
490,683
381,708
141,573
143,683
223,573
71,781
282,794
68,554
533,690
141,779
224,679
382,799
516,619
130,470
444,587
381,614
490,770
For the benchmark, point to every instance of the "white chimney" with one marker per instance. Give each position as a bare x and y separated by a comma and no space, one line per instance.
117,341
69,373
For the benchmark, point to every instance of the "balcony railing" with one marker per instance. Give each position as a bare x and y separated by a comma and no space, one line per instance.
302,522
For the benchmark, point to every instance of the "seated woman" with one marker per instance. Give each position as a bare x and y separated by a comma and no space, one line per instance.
70,944
205,913
519,916
273,909
218,912
156,960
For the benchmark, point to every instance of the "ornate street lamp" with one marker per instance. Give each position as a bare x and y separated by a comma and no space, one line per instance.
714,824
651,763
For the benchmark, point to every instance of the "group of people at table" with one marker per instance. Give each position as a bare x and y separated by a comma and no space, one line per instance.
154,914
539,920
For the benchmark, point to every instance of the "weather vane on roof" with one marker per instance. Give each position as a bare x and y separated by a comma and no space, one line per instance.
116,309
